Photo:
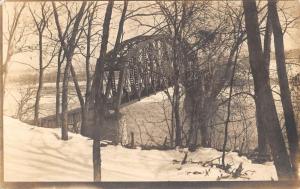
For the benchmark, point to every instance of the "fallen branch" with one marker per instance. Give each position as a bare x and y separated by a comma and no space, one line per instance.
195,172
210,161
237,173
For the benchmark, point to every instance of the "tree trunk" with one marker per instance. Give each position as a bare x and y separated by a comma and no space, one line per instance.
116,50
229,110
40,84
84,118
198,116
205,115
77,87
97,93
264,94
64,106
178,129
204,135
68,48
81,100
57,102
261,134
285,94
97,160
85,109
88,56
190,114
176,93
203,126
267,44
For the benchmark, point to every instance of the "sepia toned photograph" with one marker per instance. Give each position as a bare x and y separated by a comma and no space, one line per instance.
150,91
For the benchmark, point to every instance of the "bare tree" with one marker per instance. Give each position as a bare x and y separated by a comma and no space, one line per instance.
116,50
68,45
229,107
205,81
24,102
175,15
261,134
97,96
13,37
41,23
285,94
263,92
90,49
60,60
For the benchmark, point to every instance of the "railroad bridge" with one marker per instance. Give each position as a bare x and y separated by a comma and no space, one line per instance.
142,67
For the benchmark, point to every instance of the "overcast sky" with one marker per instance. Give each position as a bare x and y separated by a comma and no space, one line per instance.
292,39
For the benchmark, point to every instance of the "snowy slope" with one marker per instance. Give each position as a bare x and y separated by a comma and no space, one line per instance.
36,154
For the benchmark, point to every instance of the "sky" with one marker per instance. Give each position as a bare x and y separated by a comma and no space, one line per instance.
130,30
291,39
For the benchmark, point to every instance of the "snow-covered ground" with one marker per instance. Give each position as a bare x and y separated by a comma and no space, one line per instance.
37,154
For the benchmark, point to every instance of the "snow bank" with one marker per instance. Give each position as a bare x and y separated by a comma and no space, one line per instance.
37,154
